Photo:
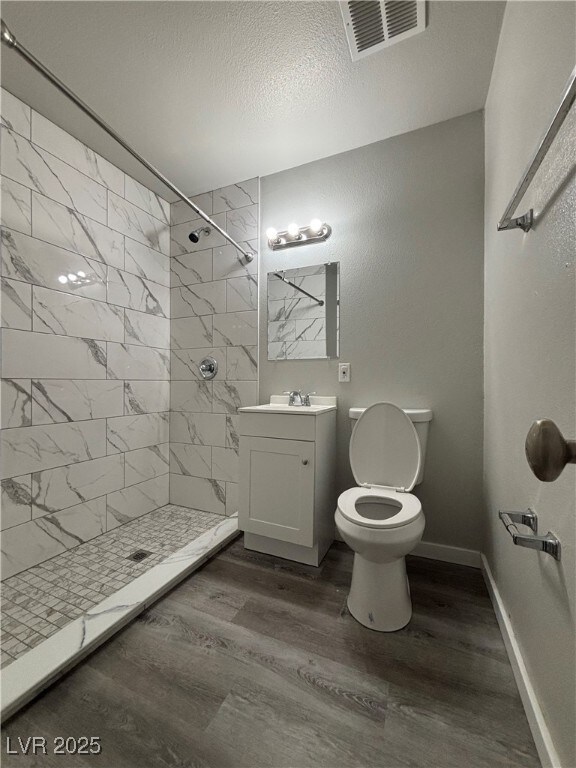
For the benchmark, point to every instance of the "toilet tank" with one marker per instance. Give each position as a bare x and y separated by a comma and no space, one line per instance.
421,418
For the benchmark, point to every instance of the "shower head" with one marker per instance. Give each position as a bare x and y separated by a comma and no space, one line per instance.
195,235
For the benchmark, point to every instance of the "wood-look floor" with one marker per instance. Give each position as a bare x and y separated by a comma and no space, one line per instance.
255,662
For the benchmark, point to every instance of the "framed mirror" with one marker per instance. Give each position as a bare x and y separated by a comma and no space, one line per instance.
304,312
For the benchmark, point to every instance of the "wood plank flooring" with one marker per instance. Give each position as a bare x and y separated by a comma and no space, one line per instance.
255,662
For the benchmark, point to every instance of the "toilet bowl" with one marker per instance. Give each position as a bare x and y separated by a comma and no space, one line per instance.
380,520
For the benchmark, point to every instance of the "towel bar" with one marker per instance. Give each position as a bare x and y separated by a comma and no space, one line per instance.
526,221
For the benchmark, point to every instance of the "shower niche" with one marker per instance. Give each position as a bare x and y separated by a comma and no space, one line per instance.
304,312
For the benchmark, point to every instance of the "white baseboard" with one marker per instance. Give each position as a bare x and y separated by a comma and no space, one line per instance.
541,734
448,554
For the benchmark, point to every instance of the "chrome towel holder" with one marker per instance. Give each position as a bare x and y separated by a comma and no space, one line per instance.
526,221
548,543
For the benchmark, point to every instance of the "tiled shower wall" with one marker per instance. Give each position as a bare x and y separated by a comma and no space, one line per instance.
85,342
214,313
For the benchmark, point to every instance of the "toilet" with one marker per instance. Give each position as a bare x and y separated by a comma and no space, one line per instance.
380,520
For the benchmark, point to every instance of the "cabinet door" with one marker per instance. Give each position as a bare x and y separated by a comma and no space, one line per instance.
277,489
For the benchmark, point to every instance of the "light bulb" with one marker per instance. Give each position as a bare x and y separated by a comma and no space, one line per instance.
293,230
63,279
316,226
81,274
271,234
71,277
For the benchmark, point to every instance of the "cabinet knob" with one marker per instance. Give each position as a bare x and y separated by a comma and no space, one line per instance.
305,462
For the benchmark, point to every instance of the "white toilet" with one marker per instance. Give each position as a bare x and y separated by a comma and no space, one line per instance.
380,519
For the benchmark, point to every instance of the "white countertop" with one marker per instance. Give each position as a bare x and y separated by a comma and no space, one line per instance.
279,404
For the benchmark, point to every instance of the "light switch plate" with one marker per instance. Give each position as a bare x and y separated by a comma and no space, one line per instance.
344,372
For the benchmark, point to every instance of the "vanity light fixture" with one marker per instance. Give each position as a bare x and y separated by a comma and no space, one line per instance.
315,232
272,235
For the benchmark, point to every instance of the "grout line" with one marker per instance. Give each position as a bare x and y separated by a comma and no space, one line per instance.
94,458
61,247
85,338
59,157
86,175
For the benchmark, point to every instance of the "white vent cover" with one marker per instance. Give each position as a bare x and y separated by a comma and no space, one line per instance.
375,24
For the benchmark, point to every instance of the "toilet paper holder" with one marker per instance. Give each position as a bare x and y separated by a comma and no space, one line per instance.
548,543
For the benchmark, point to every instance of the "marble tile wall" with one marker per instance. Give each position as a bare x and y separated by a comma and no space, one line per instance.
214,313
85,342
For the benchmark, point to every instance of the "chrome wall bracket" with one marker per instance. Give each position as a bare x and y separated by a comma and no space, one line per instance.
548,543
524,222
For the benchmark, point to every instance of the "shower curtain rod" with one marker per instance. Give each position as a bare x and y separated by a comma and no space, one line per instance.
293,285
9,40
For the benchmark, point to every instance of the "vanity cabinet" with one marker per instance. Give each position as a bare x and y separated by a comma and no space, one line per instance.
287,483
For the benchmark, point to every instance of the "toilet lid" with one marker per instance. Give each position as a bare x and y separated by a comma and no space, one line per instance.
385,449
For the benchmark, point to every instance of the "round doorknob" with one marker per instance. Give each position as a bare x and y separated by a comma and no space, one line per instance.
548,451
305,462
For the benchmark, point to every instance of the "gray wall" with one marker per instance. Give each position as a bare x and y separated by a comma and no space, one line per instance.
85,366
407,218
529,347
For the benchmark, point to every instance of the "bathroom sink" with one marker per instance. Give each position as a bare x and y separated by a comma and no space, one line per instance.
279,404
301,410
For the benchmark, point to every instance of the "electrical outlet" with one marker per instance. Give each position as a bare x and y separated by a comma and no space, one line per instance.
344,373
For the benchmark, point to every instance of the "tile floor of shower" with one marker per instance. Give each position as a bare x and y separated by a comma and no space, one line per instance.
38,602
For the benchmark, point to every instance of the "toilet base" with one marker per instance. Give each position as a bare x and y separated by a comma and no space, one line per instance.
380,595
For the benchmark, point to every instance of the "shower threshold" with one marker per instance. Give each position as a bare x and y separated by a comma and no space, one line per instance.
96,589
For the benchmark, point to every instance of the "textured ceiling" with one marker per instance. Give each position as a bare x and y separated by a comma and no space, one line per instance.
216,92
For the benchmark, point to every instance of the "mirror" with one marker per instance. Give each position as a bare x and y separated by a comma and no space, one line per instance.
304,312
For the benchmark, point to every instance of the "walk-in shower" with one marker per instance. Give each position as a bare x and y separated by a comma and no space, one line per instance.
87,388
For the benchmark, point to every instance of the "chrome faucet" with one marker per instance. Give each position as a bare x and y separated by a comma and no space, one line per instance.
295,397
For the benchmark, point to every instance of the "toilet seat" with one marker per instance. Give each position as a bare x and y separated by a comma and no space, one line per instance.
385,458
385,449
409,507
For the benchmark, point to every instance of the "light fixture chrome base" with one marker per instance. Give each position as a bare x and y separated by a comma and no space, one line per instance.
306,236
525,222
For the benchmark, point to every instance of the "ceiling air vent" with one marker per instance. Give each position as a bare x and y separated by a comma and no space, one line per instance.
375,24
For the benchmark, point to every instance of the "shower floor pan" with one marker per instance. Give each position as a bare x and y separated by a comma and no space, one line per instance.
57,612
